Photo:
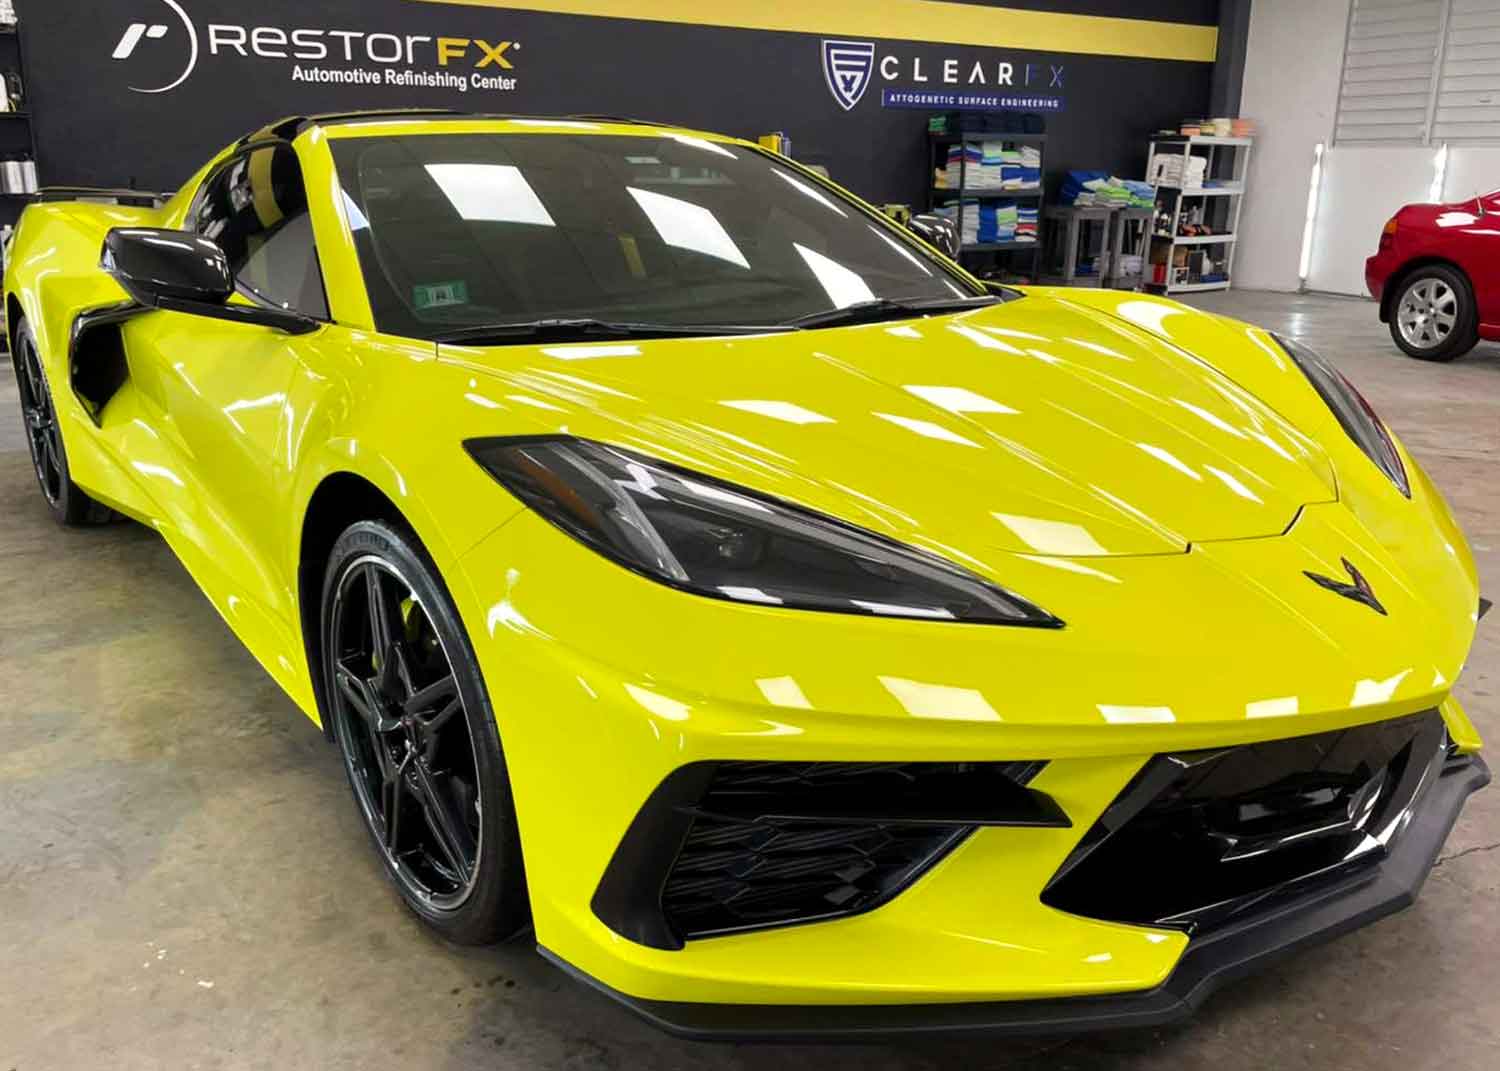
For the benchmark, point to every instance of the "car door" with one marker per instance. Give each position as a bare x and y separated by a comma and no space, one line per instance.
1485,256
218,390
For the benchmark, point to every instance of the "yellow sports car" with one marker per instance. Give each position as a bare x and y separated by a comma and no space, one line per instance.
807,638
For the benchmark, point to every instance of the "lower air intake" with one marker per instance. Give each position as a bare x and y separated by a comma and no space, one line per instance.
1201,837
733,846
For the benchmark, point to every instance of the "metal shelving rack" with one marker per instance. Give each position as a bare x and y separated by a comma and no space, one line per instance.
17,133
938,144
1228,164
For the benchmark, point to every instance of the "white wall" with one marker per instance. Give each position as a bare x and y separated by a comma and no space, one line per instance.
1362,186
1293,63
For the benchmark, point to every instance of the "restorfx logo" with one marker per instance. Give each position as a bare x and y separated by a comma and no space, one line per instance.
163,53
952,82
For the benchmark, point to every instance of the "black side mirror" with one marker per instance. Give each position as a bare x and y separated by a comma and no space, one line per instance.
935,230
180,271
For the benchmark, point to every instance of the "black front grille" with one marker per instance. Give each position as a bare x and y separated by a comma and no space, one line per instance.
733,846
739,870
1200,837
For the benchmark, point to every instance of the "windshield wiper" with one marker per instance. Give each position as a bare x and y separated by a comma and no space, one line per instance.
589,329
864,312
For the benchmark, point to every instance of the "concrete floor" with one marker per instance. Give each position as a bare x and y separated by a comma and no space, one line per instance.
183,882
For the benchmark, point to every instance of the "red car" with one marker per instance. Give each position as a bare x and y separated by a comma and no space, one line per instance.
1437,276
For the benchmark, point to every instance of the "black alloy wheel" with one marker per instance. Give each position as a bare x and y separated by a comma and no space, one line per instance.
42,435
67,502
418,738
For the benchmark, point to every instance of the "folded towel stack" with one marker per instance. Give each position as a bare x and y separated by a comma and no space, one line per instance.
1142,194
1100,189
1171,171
989,166
1026,223
969,157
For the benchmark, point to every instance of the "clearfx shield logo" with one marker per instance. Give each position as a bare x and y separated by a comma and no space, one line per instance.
847,66
922,78
163,53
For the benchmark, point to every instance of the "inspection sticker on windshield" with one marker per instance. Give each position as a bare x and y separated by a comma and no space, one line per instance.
435,295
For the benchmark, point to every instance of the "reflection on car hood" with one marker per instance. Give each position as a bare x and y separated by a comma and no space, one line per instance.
1034,427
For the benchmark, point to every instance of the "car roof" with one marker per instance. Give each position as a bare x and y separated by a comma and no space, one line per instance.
406,121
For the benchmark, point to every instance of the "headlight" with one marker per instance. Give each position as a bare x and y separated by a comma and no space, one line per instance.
712,538
1353,412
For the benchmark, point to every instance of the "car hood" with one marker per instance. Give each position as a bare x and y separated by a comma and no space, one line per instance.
1035,426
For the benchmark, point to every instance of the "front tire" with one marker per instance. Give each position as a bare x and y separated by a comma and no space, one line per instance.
1434,317
68,503
420,745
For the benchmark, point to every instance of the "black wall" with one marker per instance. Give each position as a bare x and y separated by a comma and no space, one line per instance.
92,128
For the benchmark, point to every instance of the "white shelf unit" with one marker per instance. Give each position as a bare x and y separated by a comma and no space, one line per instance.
1226,163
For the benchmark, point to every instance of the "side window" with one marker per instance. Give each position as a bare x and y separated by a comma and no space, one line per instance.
256,209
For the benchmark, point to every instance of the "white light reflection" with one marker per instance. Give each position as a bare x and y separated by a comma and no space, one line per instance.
145,468
1281,707
1209,418
928,429
535,403
901,249
1168,458
940,701
1147,314
1117,715
1071,567
580,352
787,411
742,594
356,218
701,143
718,494
1052,537
659,705
783,692
1370,692
891,609
490,192
684,225
807,191
1105,350
1233,484
482,401
983,338
959,400
843,287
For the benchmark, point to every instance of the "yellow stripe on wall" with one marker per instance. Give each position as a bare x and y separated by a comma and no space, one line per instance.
910,20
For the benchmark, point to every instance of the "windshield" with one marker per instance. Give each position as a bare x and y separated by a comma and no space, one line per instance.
455,230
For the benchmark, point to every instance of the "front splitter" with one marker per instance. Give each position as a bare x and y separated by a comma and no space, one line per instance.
1227,954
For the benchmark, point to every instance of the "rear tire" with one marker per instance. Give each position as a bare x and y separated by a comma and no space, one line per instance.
68,503
421,749
1434,317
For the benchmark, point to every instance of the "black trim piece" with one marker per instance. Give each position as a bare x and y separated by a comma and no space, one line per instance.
1199,838
943,803
140,198
628,899
97,367
1247,945
1484,607
985,795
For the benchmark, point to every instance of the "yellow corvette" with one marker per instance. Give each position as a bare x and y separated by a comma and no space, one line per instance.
806,638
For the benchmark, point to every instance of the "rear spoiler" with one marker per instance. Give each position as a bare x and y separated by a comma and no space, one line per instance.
102,194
